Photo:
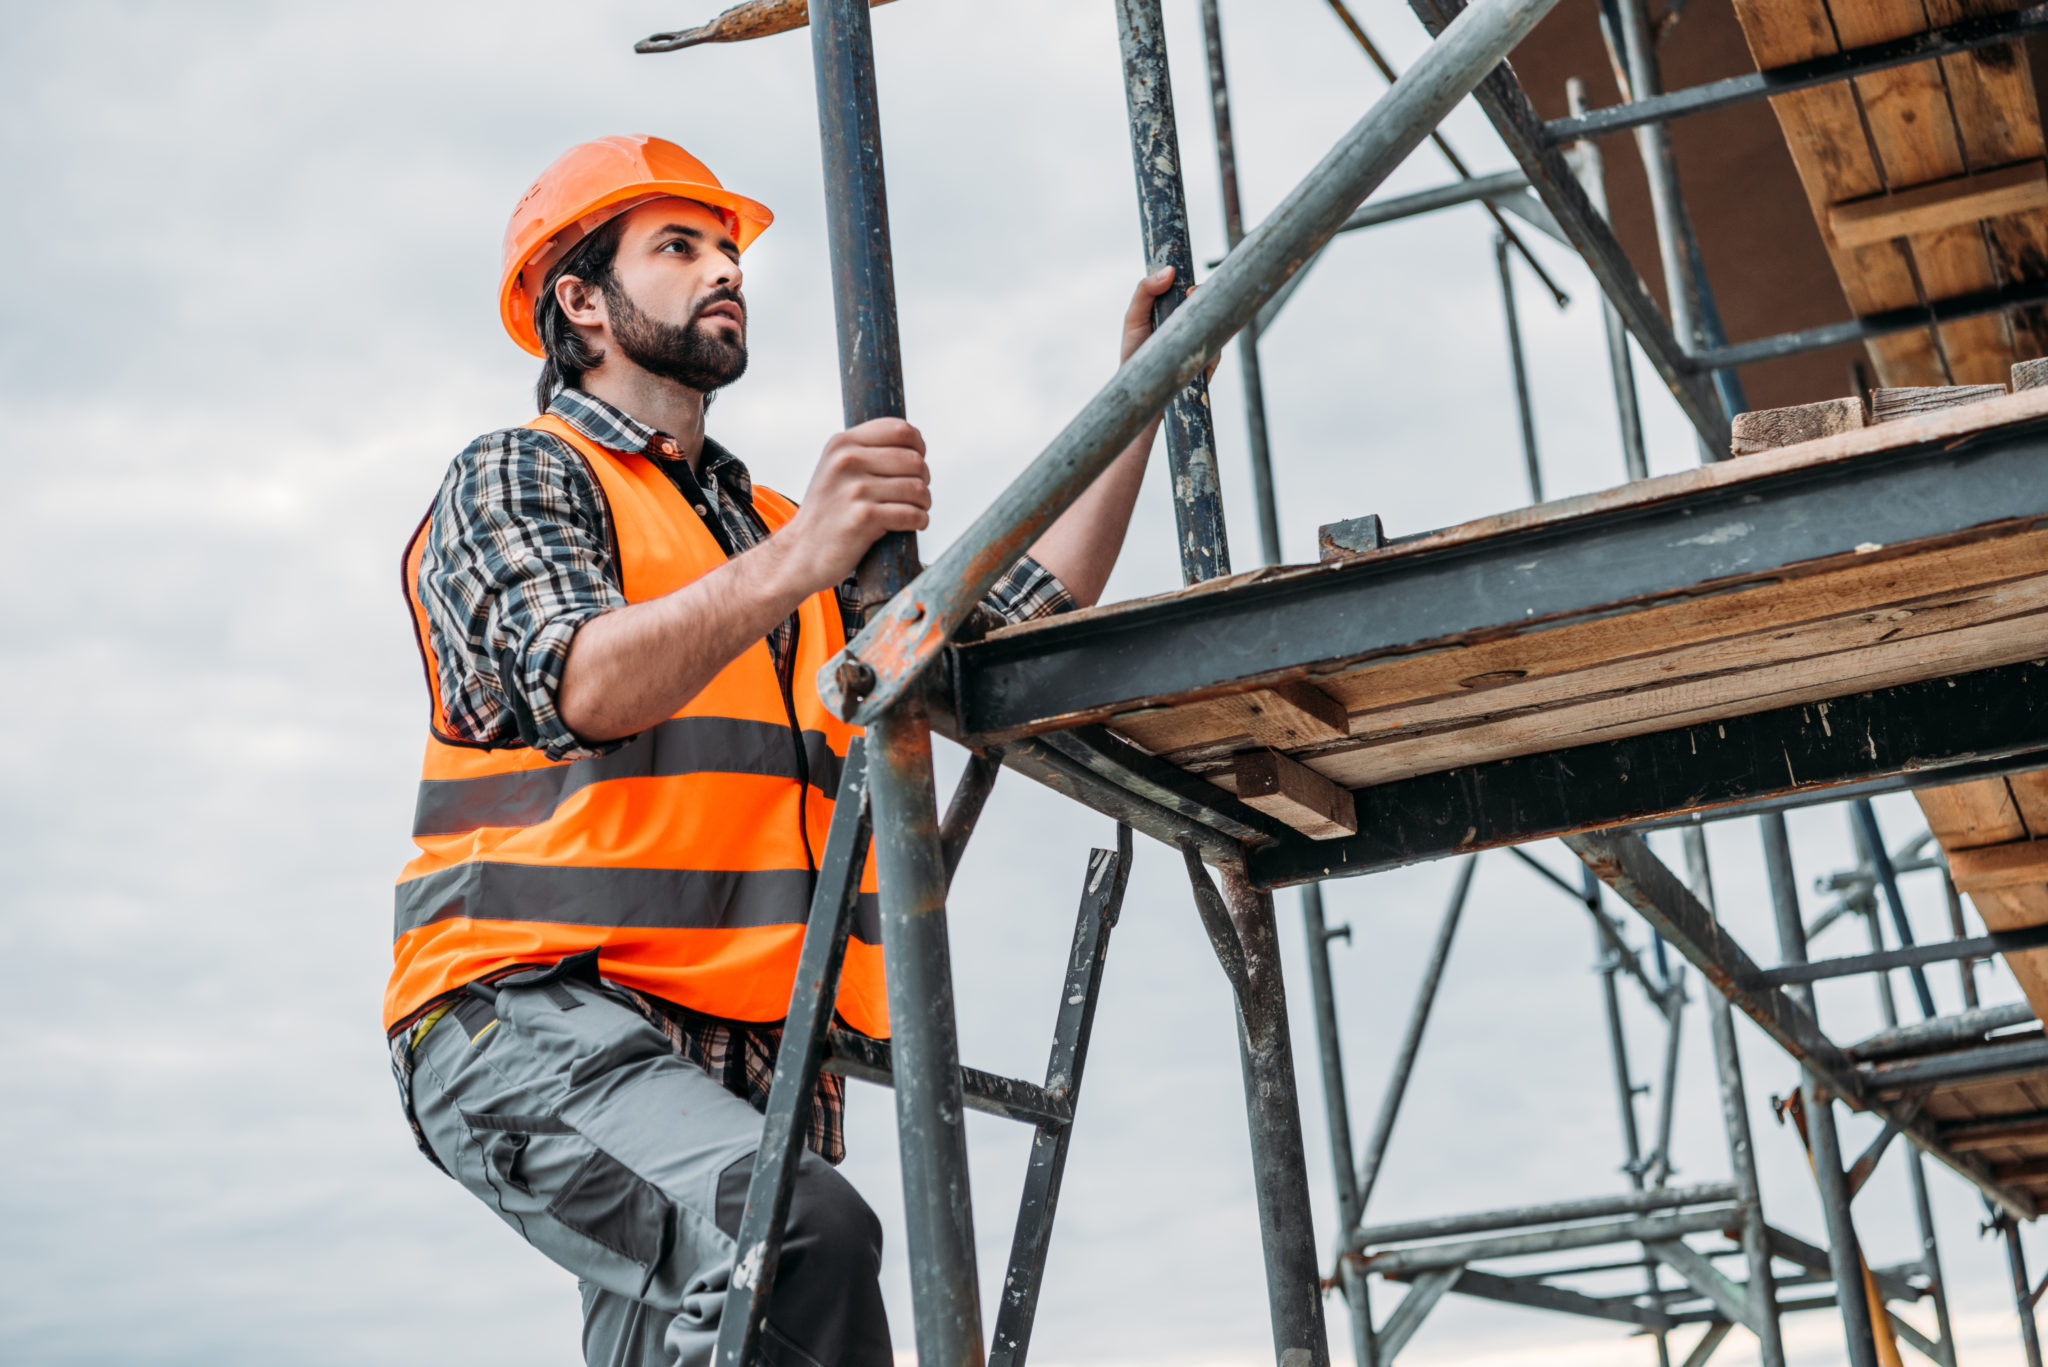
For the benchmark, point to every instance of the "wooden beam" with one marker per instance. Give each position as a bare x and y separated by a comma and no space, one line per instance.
1295,713
1768,428
2031,1170
1889,405
1996,1133
1284,716
1294,793
1946,203
2000,866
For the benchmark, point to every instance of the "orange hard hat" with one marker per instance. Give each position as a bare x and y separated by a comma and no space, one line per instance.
589,184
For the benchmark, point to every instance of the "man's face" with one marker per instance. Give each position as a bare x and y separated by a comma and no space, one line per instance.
675,307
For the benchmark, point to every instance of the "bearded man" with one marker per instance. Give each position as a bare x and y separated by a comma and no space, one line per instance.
629,773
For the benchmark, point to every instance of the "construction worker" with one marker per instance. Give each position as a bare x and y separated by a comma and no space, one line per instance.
629,774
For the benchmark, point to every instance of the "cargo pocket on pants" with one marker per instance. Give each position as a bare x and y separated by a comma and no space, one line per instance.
608,1203
504,1140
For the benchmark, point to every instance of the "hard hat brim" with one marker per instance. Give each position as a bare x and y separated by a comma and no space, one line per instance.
517,310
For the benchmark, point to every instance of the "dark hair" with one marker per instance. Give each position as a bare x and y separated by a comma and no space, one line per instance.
569,352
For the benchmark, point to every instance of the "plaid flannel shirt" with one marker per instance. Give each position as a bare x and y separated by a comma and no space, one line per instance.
518,556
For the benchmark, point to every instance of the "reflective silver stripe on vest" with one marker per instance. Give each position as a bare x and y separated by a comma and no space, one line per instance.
681,745
641,899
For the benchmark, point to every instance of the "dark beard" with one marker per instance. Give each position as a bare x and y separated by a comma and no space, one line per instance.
691,354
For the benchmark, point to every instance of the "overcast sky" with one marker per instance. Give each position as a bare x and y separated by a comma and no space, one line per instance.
256,251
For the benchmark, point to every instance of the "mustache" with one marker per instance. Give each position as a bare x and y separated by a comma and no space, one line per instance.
724,294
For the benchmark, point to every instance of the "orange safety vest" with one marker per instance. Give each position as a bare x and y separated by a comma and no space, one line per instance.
686,856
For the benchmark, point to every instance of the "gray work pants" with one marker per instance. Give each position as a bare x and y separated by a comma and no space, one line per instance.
570,1115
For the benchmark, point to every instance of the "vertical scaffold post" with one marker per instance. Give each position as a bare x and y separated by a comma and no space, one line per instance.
1916,1173
1625,1089
1845,1259
1760,1286
1694,318
1593,176
1337,1111
2022,1293
1247,340
1163,219
1273,1112
909,860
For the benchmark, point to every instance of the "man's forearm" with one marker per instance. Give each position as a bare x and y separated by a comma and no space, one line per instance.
633,667
1081,546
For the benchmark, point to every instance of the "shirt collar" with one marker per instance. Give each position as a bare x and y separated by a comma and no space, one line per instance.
617,430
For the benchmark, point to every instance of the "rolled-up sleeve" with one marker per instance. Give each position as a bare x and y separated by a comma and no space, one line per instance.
1028,592
518,557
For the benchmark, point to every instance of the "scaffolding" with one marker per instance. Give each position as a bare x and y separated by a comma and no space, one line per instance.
1068,703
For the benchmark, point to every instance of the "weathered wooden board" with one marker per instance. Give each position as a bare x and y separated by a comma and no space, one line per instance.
1690,703
1992,867
1989,827
1788,640
1891,405
1944,204
1769,428
1293,793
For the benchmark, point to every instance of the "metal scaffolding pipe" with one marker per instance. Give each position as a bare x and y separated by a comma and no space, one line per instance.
1499,185
1941,1033
1248,338
1519,368
903,638
1554,1212
1694,319
1916,1178
1329,1049
2022,1293
909,860
1845,1261
1273,1111
1880,860
1163,218
1628,411
1649,1229
1761,1289
1756,1248
1337,1113
1965,968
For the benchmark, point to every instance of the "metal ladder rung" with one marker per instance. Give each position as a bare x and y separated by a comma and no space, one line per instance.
858,1056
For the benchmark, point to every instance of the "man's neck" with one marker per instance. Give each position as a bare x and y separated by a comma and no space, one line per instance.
662,404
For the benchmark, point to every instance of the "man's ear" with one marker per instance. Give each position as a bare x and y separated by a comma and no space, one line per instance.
580,304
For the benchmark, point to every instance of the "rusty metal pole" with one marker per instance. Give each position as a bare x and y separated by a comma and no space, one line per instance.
1272,1104
1163,219
909,861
